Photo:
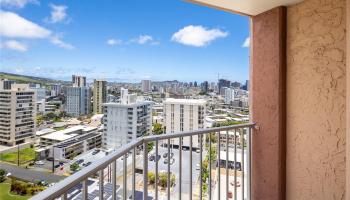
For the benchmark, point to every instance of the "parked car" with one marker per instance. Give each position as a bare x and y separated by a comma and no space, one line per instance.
80,161
39,162
198,151
165,155
49,158
172,160
198,167
87,164
151,158
95,152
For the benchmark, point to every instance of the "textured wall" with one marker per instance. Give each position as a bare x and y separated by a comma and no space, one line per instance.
268,104
348,99
316,84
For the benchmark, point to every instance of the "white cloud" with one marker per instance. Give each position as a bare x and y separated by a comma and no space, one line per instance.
58,13
197,36
17,3
145,39
14,45
14,26
246,42
113,42
56,40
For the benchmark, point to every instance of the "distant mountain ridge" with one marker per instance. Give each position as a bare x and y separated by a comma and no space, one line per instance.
30,79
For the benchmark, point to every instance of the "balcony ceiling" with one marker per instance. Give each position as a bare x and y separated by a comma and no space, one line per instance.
245,7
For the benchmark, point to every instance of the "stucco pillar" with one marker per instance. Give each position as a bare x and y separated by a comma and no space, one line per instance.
268,104
347,190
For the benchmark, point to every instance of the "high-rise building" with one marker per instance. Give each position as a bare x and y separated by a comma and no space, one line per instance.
78,101
126,121
195,84
205,87
78,81
223,83
18,113
236,84
56,89
184,115
5,84
146,85
229,95
246,86
99,95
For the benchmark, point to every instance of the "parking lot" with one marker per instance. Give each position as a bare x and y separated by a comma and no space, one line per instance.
174,168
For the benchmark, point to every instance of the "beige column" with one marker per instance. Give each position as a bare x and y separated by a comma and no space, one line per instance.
268,104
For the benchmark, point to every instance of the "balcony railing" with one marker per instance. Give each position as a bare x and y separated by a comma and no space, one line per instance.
226,175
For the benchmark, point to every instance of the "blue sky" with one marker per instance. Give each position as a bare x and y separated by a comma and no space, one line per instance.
126,40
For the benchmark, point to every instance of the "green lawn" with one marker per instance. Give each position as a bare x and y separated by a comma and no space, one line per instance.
25,155
5,193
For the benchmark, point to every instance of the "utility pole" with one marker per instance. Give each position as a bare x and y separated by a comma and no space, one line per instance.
18,155
53,159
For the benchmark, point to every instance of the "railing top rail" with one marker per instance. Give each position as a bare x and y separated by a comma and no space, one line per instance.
196,132
64,185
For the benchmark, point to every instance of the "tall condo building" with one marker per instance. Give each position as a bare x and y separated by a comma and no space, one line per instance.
223,83
126,121
17,114
78,101
56,89
184,115
229,95
99,95
78,81
146,85
5,84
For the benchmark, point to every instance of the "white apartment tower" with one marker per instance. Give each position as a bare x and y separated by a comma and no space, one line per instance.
78,101
99,95
126,121
229,95
17,114
146,85
184,115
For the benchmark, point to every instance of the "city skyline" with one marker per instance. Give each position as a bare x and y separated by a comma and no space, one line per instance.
159,46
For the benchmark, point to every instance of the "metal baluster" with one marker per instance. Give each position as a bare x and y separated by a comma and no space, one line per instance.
242,146
227,170
101,177
190,168
210,166
168,168
85,189
180,167
156,179
200,164
249,162
64,196
114,180
218,162
235,159
145,171
124,176
133,172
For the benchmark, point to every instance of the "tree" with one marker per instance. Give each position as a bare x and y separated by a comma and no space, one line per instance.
163,179
74,167
151,178
150,146
2,175
157,129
